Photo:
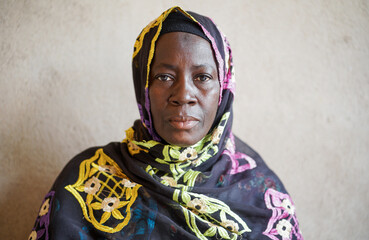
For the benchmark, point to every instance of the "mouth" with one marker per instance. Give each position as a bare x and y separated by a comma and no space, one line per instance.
183,122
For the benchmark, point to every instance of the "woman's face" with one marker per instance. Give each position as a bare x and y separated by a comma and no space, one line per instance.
184,88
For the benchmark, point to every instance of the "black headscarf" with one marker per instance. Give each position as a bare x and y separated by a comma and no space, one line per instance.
144,188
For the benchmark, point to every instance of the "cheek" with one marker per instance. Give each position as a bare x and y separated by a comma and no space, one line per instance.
157,100
210,105
153,102
213,99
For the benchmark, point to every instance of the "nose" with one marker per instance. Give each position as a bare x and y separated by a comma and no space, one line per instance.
183,91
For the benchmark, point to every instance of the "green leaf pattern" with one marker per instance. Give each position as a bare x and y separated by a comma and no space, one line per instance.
222,221
198,209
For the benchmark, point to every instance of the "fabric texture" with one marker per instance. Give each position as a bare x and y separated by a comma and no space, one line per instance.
144,188
178,22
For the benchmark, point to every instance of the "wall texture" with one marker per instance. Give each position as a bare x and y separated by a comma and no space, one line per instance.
302,100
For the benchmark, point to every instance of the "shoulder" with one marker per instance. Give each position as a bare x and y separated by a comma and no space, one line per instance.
261,169
64,203
261,176
283,221
243,147
70,172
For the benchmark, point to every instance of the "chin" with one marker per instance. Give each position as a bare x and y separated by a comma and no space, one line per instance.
182,141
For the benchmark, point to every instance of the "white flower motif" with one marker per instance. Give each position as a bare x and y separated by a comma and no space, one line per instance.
172,182
107,169
45,207
188,154
198,205
284,228
217,133
109,204
33,235
92,186
230,225
128,184
287,205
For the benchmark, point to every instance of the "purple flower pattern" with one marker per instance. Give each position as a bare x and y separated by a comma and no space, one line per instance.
40,229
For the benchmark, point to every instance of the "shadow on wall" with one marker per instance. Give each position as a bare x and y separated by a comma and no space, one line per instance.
36,151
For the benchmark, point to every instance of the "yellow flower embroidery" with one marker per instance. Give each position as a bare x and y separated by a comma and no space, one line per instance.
219,216
133,148
196,162
33,235
108,169
92,186
198,204
109,193
217,134
171,181
45,207
130,133
188,154
230,225
109,204
128,184
221,230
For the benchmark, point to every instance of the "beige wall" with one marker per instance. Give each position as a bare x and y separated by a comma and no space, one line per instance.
302,100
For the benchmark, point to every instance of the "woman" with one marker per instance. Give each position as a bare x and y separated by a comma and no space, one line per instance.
179,173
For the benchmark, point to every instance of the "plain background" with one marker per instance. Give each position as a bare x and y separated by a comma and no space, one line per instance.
302,71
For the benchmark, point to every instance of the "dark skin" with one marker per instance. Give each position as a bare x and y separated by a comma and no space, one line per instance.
184,88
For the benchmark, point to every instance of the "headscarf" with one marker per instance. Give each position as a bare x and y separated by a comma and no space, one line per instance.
143,55
145,188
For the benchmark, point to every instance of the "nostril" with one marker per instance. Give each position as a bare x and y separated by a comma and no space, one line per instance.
175,103
180,102
191,102
182,93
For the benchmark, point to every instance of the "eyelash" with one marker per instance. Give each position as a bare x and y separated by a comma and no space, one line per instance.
163,75
202,76
160,76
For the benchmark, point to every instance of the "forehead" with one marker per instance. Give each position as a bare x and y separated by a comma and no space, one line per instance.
181,46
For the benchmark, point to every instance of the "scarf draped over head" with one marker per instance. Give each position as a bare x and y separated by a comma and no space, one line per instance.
144,188
187,171
143,55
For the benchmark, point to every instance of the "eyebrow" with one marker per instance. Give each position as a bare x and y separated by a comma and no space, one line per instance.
166,65
172,67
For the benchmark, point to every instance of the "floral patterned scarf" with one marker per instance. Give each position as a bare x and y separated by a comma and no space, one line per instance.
143,188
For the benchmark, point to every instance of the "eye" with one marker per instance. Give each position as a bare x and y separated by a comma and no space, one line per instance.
164,77
202,78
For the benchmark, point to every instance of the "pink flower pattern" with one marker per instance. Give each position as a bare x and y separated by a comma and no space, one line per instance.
283,224
236,157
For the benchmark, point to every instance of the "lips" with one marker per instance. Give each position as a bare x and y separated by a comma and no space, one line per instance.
183,122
